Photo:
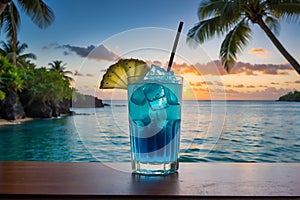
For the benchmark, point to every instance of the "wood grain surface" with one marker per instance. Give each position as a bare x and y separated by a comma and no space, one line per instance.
96,179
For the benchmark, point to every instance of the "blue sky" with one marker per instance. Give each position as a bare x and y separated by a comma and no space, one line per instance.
86,22
82,23
89,22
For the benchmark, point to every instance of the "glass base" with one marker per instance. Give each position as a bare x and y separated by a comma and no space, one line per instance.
154,168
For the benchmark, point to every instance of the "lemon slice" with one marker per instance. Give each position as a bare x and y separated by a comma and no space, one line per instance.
116,75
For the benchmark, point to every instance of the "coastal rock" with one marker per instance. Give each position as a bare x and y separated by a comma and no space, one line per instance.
11,108
56,109
39,110
65,106
61,108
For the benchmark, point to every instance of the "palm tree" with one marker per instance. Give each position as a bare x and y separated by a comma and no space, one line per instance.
10,21
30,65
57,65
8,51
233,17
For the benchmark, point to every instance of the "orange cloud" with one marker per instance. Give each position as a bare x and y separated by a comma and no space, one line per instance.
257,50
239,86
197,84
260,52
185,68
205,83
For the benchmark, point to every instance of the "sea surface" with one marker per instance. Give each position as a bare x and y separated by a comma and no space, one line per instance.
211,131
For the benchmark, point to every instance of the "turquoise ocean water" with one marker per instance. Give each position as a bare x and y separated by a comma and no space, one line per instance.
218,131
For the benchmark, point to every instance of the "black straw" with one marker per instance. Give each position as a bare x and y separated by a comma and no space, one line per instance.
175,46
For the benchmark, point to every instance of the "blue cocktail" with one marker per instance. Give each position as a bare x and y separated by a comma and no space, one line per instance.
154,117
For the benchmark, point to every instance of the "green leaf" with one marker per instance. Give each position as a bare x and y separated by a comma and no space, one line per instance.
233,43
38,11
286,10
2,95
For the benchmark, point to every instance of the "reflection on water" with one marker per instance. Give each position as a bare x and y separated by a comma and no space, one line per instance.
253,131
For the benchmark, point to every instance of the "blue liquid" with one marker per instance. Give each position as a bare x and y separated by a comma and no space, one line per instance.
154,118
163,146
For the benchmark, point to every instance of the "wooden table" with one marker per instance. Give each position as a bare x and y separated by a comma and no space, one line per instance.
53,180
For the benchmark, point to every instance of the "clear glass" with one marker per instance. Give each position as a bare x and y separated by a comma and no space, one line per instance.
154,122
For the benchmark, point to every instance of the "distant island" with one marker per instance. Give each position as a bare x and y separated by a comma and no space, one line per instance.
291,96
87,101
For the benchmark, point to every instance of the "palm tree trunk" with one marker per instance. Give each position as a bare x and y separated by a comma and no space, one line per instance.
279,46
14,38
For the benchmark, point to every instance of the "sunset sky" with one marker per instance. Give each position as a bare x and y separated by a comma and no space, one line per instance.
89,35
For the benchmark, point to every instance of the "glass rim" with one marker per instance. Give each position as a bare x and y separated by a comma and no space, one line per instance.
133,79
176,75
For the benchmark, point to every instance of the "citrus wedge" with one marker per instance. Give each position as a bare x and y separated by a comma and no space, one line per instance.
116,75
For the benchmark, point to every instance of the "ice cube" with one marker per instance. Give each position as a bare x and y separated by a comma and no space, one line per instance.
138,97
171,97
159,104
160,74
156,70
154,91
155,95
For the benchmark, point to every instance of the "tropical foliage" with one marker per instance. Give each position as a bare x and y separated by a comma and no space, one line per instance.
2,95
21,82
22,59
233,19
33,84
59,66
45,86
10,78
10,21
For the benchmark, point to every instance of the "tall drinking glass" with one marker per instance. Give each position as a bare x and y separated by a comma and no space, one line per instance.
154,120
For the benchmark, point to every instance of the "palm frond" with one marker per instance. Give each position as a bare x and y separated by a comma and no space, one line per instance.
227,9
38,11
204,30
208,28
216,18
5,47
209,8
2,53
67,72
233,43
286,10
21,47
7,50
232,11
28,56
273,24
